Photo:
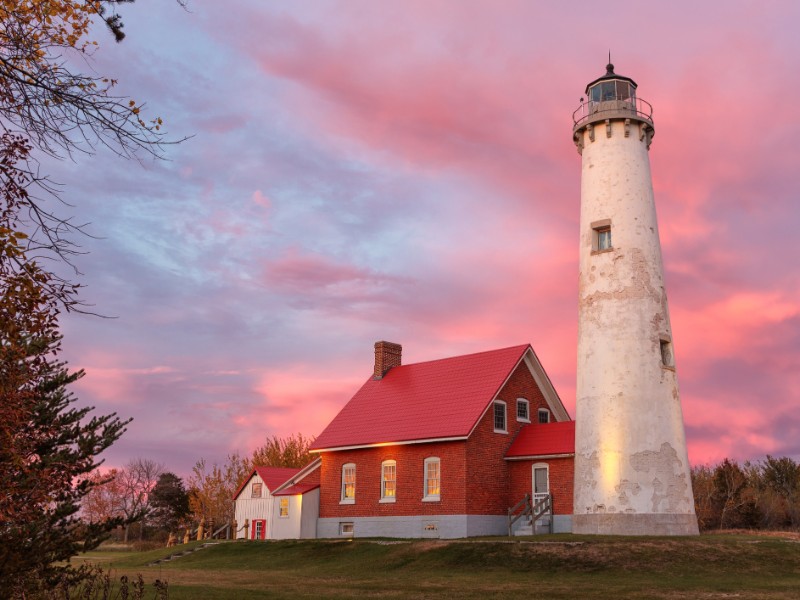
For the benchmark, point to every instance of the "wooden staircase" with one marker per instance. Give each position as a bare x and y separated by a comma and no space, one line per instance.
536,518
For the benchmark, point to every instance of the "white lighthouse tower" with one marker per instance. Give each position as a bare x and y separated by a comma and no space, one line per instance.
631,465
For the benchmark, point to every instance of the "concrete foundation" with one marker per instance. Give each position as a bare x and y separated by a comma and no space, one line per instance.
644,524
429,526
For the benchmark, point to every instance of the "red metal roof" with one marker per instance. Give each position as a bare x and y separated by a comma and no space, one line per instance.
429,400
544,439
271,476
300,488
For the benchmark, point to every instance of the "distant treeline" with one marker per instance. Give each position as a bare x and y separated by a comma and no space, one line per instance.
753,495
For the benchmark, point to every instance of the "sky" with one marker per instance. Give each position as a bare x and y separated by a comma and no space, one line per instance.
404,171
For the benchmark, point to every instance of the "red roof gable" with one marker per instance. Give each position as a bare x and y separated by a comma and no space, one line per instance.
544,439
429,400
271,476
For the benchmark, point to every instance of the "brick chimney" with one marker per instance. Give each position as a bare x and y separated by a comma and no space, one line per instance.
387,355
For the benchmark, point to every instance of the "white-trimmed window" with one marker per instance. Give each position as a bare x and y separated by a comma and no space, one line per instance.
433,479
346,528
523,410
544,415
255,490
388,480
348,483
499,409
283,508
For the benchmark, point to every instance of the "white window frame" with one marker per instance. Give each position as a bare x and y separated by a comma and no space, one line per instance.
256,485
495,405
426,496
258,529
520,403
345,498
283,507
543,412
347,528
389,466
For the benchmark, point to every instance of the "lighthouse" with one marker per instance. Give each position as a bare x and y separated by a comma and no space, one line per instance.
631,464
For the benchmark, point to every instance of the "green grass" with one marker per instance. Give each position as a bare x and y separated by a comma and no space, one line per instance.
556,566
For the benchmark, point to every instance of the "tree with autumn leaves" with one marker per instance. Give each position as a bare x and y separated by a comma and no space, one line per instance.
211,486
48,446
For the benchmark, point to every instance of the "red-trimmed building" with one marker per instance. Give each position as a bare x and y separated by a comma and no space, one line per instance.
254,501
444,448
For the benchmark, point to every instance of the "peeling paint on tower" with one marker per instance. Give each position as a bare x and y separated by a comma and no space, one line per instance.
631,464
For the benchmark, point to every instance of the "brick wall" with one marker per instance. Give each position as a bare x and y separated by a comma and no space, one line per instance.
561,481
476,479
488,483
410,486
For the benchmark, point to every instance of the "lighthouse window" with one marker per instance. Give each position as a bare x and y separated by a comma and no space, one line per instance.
667,358
604,238
601,235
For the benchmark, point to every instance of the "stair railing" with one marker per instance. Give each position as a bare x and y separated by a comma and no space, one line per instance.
519,510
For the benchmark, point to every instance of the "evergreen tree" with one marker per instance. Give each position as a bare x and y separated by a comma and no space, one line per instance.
169,502
48,447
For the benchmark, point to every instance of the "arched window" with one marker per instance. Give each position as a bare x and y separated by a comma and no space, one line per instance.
544,415
388,480
348,483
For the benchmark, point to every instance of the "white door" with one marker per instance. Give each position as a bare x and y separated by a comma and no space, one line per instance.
541,482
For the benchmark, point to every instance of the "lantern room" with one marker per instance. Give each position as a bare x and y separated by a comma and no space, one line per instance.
610,98
611,87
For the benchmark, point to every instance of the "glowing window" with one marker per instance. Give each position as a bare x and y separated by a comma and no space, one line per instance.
388,480
284,508
348,483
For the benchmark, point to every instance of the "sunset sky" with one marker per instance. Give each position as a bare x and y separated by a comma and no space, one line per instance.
404,171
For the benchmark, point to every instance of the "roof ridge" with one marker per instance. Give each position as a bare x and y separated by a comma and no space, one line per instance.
446,358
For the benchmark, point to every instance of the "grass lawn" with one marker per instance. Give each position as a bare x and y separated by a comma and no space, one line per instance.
554,566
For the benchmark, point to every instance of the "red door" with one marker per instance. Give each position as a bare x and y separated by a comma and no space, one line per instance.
259,529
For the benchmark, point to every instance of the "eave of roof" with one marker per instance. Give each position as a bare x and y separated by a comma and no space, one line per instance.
271,476
294,490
